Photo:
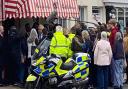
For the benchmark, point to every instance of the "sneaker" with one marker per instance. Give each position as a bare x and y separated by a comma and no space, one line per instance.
15,84
19,85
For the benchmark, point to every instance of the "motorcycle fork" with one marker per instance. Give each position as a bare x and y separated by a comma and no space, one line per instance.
37,83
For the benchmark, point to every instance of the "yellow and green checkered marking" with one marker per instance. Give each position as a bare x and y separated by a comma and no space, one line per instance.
81,71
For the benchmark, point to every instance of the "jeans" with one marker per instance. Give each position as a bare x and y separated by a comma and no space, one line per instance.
112,72
102,77
118,73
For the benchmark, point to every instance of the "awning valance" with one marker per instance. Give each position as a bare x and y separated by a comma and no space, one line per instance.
40,8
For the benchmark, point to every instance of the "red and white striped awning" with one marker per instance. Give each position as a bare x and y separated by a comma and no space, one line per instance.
40,8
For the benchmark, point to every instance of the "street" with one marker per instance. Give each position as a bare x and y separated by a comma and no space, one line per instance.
11,87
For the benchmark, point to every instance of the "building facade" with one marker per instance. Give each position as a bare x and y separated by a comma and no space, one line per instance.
102,10
97,11
92,11
119,10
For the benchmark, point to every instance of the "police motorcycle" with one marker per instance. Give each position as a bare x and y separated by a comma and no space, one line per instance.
50,72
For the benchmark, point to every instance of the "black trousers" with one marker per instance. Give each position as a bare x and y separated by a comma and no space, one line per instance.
1,68
13,67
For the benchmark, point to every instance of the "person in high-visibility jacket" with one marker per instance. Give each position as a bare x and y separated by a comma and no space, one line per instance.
71,35
59,44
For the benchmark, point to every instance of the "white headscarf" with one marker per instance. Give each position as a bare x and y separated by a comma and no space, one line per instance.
104,35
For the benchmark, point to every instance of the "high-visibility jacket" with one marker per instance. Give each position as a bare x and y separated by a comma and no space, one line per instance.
59,45
70,52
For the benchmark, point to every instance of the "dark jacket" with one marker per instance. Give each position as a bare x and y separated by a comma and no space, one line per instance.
24,46
1,50
14,42
77,43
87,46
118,51
1,44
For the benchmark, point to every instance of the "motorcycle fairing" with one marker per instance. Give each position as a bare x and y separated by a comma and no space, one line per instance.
81,71
48,71
31,78
83,58
59,70
40,60
37,70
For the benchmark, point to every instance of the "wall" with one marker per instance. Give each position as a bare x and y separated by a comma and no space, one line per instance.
88,11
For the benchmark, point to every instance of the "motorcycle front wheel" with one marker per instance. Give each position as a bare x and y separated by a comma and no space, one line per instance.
32,85
46,85
29,85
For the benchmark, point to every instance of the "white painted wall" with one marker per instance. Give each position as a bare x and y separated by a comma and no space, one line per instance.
116,1
88,11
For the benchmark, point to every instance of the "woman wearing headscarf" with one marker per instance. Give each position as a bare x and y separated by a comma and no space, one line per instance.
102,60
118,54
32,39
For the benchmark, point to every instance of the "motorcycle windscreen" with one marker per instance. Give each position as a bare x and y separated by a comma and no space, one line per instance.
42,49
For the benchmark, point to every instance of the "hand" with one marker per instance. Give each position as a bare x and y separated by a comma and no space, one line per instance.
23,59
125,63
76,39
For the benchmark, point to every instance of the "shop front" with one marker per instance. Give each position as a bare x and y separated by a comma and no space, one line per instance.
33,9
117,9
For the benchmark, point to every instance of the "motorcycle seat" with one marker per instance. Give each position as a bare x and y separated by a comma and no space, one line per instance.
68,66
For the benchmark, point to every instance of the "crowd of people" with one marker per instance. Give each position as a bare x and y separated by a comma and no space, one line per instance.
106,44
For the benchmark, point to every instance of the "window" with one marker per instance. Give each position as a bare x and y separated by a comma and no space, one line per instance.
120,12
82,13
96,11
126,16
121,16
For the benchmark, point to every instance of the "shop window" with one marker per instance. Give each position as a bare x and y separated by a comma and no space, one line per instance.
121,16
121,12
126,16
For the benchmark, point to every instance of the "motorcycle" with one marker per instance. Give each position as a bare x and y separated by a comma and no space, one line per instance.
50,72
